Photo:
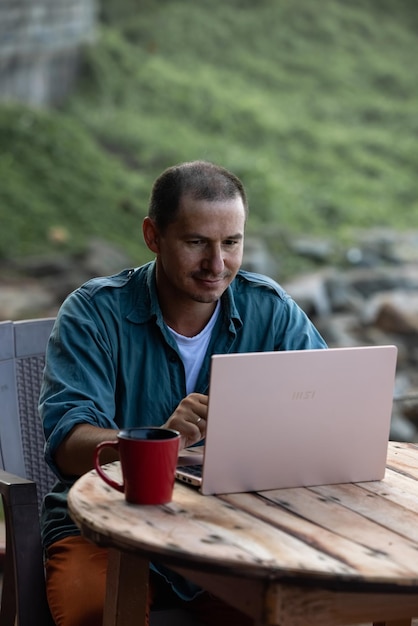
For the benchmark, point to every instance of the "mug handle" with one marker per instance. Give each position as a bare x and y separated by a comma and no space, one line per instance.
106,444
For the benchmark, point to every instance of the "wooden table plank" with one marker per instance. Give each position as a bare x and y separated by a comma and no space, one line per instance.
396,488
334,530
403,457
388,513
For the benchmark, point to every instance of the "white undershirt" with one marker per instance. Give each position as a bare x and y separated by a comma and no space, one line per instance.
193,349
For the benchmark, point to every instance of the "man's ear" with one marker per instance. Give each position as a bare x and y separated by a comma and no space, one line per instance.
150,233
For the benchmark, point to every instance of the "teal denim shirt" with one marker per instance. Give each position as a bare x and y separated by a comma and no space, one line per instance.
112,362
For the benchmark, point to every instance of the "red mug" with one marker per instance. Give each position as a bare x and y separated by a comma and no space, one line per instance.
148,458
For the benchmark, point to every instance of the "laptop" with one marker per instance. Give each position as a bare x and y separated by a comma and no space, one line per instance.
293,419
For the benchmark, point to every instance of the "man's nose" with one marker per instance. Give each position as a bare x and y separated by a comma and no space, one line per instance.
214,260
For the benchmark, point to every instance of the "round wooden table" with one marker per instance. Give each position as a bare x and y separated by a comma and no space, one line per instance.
335,554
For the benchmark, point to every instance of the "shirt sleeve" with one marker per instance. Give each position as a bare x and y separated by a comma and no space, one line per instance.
80,375
296,330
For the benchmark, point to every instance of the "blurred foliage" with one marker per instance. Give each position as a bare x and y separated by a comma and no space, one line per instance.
313,105
55,177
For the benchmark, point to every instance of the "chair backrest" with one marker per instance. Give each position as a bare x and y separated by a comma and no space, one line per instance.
22,360
24,476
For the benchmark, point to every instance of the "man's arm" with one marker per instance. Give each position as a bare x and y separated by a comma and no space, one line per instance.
75,456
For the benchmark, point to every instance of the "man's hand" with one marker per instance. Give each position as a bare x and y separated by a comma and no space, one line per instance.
190,419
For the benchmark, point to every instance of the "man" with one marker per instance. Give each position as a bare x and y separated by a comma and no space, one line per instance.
134,349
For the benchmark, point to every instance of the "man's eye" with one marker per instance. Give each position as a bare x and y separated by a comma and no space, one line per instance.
230,242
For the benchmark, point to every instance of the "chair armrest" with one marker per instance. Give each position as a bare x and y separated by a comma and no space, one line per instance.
24,578
16,490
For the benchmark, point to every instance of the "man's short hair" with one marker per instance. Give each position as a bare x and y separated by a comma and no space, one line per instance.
199,179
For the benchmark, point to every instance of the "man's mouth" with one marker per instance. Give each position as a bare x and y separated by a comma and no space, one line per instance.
210,280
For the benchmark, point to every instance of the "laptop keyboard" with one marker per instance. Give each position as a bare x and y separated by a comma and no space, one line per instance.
193,470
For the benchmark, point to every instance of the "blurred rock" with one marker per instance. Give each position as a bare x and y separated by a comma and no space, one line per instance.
25,301
257,257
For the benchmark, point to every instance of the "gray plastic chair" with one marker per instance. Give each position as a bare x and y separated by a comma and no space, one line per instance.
25,478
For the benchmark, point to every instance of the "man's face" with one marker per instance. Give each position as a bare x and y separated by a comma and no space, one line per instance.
200,253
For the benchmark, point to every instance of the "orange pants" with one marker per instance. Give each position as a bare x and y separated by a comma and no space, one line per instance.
76,583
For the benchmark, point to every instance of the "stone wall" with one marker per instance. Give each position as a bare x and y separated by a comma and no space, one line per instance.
40,42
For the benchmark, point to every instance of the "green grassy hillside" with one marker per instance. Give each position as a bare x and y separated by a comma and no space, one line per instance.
313,104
